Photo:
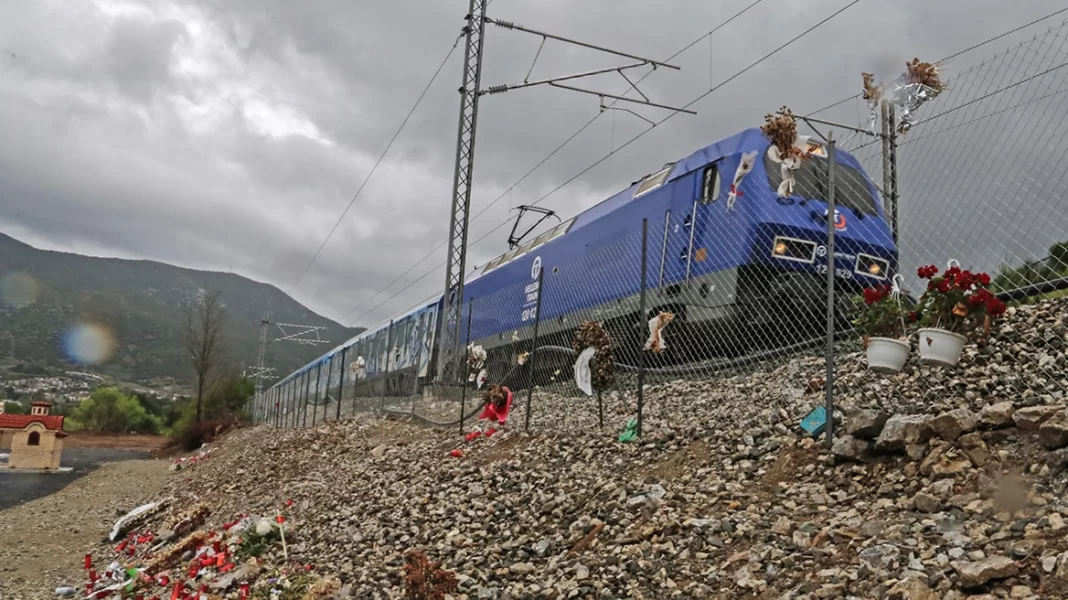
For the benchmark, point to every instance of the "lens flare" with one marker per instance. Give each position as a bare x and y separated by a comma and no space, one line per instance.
18,290
89,343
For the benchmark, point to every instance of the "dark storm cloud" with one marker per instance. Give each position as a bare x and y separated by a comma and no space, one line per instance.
218,134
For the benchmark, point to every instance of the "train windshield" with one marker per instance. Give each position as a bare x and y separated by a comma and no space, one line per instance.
851,188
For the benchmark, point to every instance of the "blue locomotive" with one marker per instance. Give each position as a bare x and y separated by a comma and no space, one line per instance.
738,279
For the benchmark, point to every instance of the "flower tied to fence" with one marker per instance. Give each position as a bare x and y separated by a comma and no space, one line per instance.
476,364
958,300
592,334
656,332
787,148
920,82
744,167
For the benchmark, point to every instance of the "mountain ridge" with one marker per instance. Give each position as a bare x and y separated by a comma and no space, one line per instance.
46,294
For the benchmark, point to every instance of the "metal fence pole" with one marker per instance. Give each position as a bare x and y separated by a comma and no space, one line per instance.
274,406
829,351
463,379
318,384
389,354
534,344
418,358
307,393
895,223
641,312
287,391
600,409
355,386
341,383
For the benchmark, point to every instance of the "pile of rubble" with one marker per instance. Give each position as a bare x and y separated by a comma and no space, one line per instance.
926,495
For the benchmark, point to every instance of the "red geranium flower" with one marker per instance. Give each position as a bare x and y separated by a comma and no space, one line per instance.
927,272
995,307
983,279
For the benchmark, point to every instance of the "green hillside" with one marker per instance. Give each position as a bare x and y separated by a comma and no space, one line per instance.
140,302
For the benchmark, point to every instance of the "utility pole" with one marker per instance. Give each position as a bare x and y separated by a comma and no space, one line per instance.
289,332
449,326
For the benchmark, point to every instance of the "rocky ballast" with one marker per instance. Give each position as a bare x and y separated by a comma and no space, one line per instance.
944,485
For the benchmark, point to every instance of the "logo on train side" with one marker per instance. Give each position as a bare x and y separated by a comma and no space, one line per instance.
535,269
839,219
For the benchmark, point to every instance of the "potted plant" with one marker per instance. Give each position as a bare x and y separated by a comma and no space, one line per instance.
883,322
955,304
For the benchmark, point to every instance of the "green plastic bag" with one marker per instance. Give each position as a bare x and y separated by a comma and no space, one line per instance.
630,433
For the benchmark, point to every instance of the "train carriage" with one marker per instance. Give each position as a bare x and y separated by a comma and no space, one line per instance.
738,278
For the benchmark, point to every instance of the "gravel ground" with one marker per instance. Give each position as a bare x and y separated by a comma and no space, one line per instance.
944,485
43,538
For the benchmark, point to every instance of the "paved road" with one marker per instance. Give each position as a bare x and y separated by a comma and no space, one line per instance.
17,488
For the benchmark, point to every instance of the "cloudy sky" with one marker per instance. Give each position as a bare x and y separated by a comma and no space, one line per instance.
231,134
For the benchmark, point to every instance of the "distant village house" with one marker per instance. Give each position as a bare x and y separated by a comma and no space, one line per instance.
35,440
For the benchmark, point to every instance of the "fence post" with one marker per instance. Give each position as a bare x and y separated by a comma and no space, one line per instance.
307,394
534,344
600,409
389,354
418,359
318,384
341,383
829,351
463,379
286,396
356,382
641,313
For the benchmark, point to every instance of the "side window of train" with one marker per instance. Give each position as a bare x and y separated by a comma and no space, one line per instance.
710,185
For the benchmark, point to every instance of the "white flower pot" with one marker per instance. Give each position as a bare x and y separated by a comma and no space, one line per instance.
940,347
886,355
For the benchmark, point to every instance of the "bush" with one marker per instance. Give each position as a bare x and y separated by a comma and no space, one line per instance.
13,408
424,580
192,435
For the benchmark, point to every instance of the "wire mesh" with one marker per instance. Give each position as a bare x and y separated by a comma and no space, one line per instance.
736,280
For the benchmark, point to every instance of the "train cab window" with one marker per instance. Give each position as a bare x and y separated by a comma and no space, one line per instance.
654,181
851,188
710,185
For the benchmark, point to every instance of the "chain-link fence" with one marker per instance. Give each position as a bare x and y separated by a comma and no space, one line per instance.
742,283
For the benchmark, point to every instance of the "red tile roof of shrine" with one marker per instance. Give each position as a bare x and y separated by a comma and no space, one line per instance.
50,422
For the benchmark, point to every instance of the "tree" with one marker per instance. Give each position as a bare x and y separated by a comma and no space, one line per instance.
202,338
109,410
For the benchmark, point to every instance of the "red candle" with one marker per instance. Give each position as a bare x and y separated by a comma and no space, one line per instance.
244,591
177,591
88,560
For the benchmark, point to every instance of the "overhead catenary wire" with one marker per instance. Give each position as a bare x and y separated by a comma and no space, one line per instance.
378,162
958,53
553,153
643,133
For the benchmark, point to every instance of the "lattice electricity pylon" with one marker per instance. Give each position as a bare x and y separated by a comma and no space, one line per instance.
450,324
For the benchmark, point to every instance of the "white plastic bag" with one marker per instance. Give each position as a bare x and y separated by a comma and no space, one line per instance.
583,375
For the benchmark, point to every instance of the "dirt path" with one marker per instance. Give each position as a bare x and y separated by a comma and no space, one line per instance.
87,439
44,540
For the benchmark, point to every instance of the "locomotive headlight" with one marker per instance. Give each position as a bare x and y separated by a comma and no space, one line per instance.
871,266
787,248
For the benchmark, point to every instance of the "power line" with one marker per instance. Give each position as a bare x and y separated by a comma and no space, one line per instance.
557,149
378,162
959,53
635,138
